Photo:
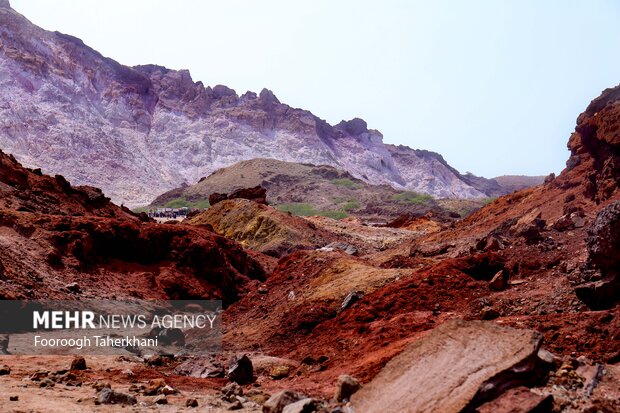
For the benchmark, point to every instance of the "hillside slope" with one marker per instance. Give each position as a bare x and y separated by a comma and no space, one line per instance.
58,241
306,190
138,132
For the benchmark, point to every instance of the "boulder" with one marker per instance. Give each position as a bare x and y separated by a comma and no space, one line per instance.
154,386
603,243
168,336
191,403
78,363
603,239
355,126
458,366
351,298
161,399
216,197
240,370
518,400
257,194
109,396
499,281
219,91
231,391
529,226
346,387
302,406
279,372
5,370
279,401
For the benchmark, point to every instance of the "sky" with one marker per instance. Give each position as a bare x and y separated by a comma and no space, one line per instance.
494,86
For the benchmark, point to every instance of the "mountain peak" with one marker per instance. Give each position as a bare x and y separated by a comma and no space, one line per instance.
5,4
355,126
156,128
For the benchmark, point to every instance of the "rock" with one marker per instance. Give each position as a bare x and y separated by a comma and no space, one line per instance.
549,178
216,197
78,363
518,400
306,405
355,126
268,98
46,383
345,388
168,390
236,405
279,401
5,4
499,281
549,358
257,396
5,370
109,396
458,366
168,336
73,287
13,398
154,386
39,375
240,370
161,399
489,313
220,91
159,360
569,221
68,379
334,246
100,385
4,344
529,226
257,194
231,391
200,368
279,372
191,403
603,243
351,298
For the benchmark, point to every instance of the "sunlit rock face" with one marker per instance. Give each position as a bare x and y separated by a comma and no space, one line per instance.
137,132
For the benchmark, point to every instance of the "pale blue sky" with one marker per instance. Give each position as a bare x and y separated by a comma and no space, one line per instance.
494,86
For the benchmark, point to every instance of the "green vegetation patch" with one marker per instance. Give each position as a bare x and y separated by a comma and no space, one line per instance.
346,182
298,208
410,197
350,205
305,210
181,203
333,214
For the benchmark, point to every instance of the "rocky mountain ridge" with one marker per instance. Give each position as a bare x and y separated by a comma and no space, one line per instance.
138,132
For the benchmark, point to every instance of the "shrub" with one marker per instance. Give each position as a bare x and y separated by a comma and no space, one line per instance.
304,210
351,204
346,182
410,197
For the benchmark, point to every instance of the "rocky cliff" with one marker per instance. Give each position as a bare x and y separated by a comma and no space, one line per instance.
138,132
